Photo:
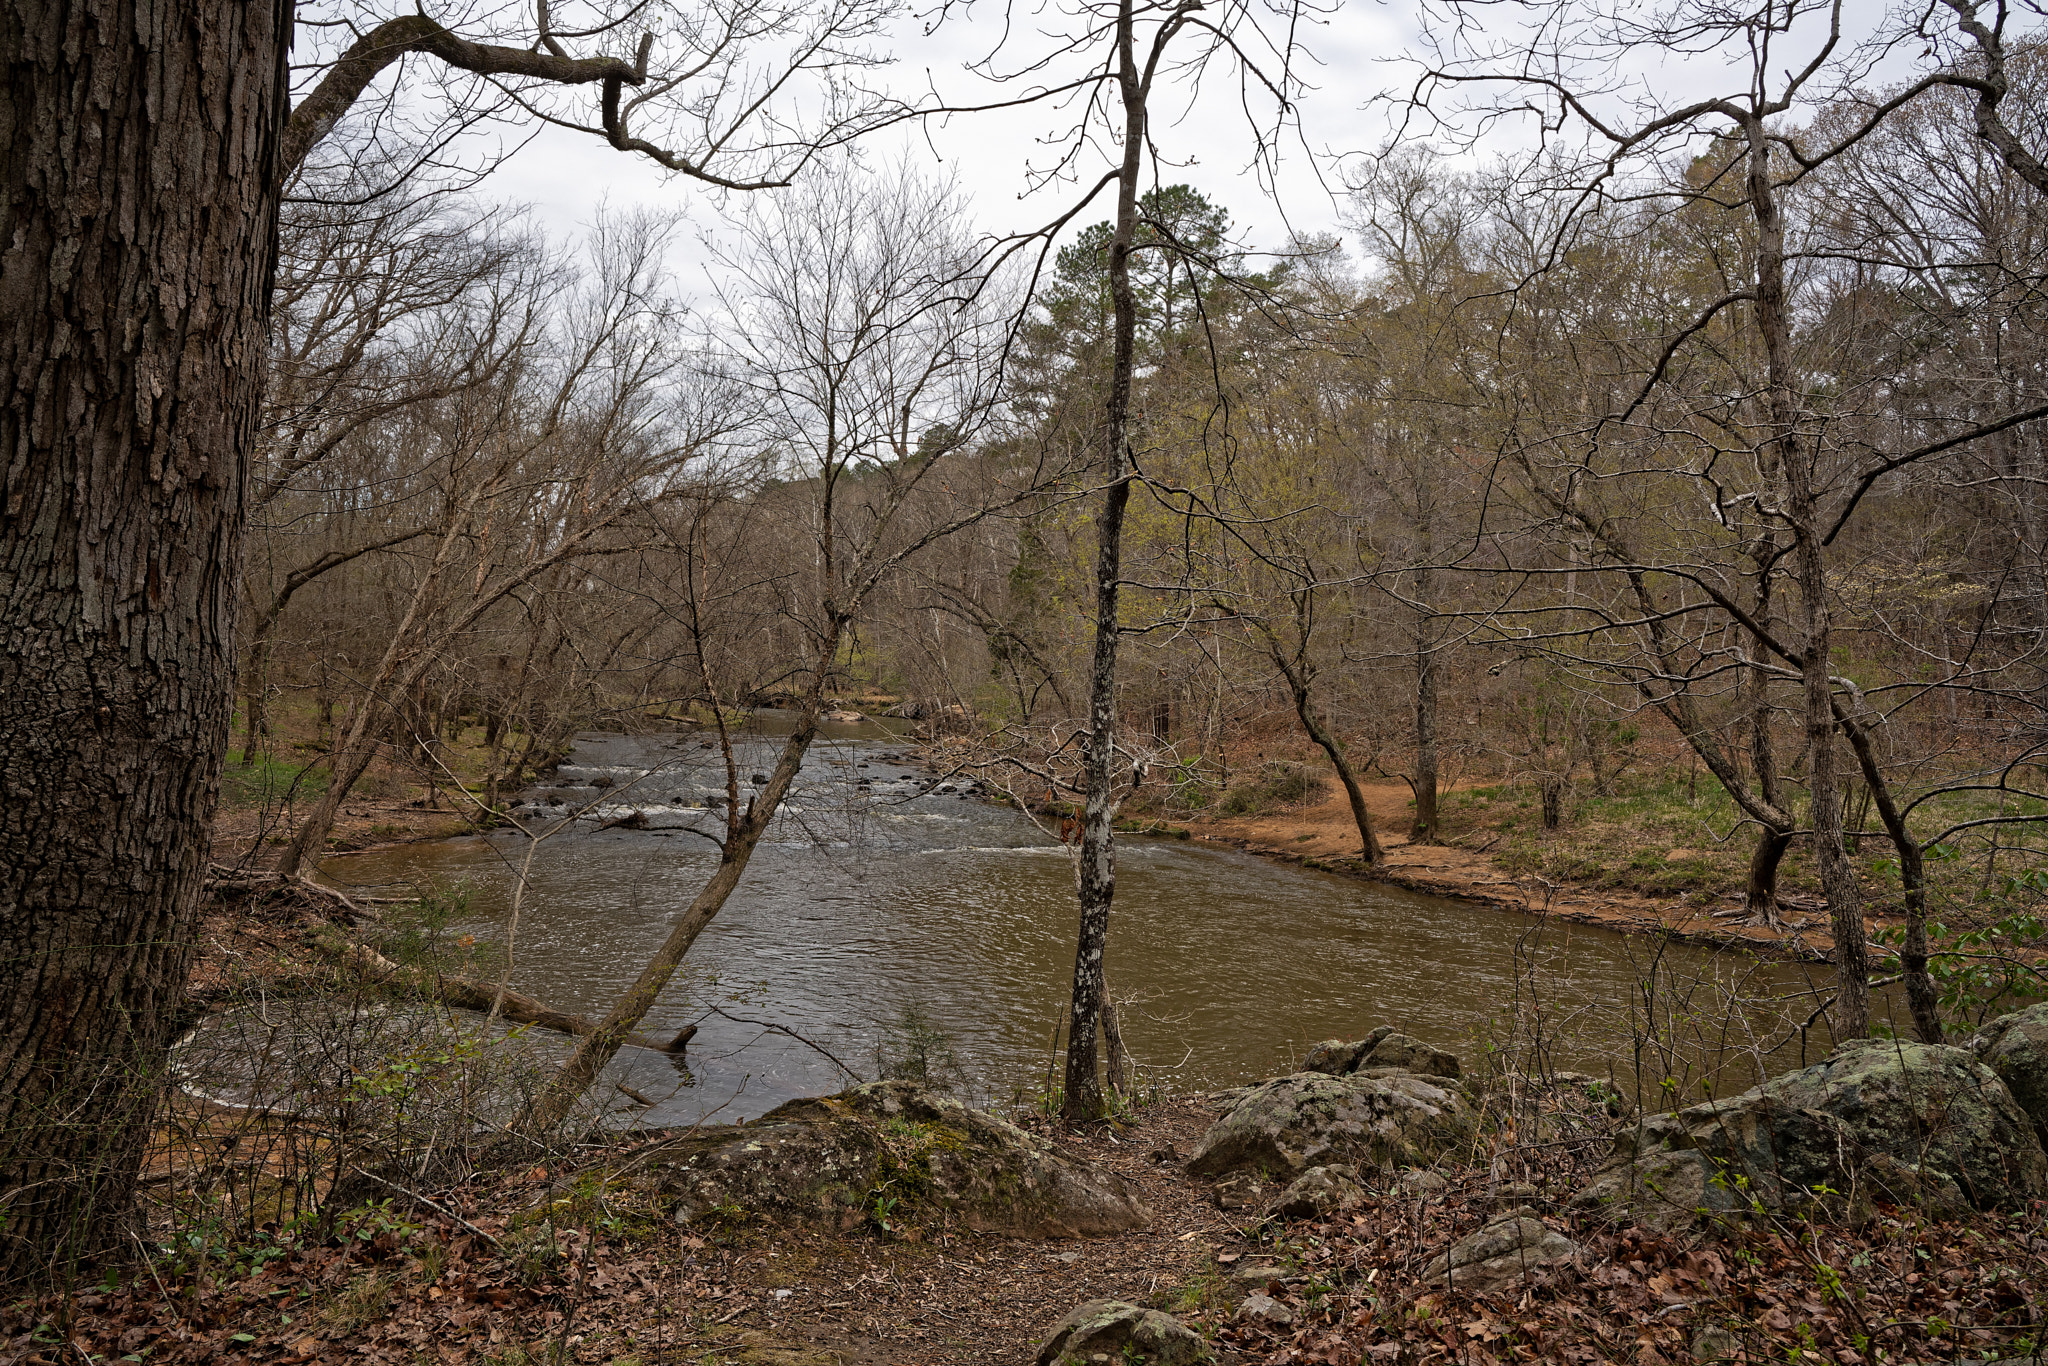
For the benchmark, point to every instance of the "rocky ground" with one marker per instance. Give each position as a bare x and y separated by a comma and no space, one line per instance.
1376,1210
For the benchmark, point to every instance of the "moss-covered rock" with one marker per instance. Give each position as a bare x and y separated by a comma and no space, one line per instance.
1400,1053
891,1153
1381,1053
1319,1193
1285,1126
1338,1057
1500,1255
1113,1331
2015,1046
1881,1119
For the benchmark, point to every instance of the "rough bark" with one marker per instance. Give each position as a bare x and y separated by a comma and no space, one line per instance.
141,146
1424,830
1789,455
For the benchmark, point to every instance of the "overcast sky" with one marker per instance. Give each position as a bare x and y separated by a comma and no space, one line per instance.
1358,50
562,174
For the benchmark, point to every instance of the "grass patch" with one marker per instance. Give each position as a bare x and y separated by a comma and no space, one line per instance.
269,782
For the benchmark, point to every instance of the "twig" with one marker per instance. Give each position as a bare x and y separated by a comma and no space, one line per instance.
433,1205
763,1024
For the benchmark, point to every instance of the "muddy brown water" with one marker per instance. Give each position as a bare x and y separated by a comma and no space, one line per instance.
876,897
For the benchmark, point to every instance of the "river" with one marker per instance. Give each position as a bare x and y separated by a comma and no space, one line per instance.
874,896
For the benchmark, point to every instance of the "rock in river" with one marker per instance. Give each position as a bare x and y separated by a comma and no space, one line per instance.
1902,1122
1285,1126
892,1149
1381,1049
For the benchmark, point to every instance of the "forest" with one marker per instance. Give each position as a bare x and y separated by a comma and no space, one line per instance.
1630,512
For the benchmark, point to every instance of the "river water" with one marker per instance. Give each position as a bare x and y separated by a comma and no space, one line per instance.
876,895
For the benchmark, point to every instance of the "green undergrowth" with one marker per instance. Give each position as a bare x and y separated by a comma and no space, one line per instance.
1677,833
268,781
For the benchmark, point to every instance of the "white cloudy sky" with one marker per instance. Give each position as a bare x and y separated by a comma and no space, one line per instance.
1359,48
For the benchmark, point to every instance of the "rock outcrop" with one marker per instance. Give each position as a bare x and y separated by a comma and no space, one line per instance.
1383,1050
1881,1119
2015,1046
1283,1127
1500,1255
1113,1331
891,1151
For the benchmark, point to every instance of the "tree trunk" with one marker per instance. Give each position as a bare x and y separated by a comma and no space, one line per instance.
255,689
1304,708
1788,451
137,236
1082,1099
1424,831
1921,997
1760,895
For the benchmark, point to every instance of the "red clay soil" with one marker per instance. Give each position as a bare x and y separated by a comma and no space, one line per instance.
1325,836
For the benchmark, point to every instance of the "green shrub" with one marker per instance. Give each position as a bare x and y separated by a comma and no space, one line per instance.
1276,784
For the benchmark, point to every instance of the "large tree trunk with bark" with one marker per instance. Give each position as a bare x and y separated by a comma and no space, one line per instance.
141,147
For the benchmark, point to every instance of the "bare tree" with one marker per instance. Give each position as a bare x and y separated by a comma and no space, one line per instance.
852,310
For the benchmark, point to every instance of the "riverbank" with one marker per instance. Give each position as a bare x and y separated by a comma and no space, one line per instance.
1325,836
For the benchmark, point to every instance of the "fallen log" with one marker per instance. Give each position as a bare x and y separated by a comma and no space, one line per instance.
466,994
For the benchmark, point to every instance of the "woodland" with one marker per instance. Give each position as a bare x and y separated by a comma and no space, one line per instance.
1650,491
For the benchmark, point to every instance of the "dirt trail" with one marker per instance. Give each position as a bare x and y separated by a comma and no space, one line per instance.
980,1300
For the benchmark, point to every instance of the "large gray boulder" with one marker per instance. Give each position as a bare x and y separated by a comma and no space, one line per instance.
1283,1127
1500,1255
1381,1051
1398,1052
1880,1119
1113,1331
2015,1046
1338,1057
891,1152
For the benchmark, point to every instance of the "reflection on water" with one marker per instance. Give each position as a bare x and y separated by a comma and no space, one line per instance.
873,894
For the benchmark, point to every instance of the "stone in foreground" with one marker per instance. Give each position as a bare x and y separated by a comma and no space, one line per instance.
892,1149
1502,1254
1398,1052
1106,1331
1319,1193
1337,1057
1283,1127
2015,1046
1378,1053
1882,1119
